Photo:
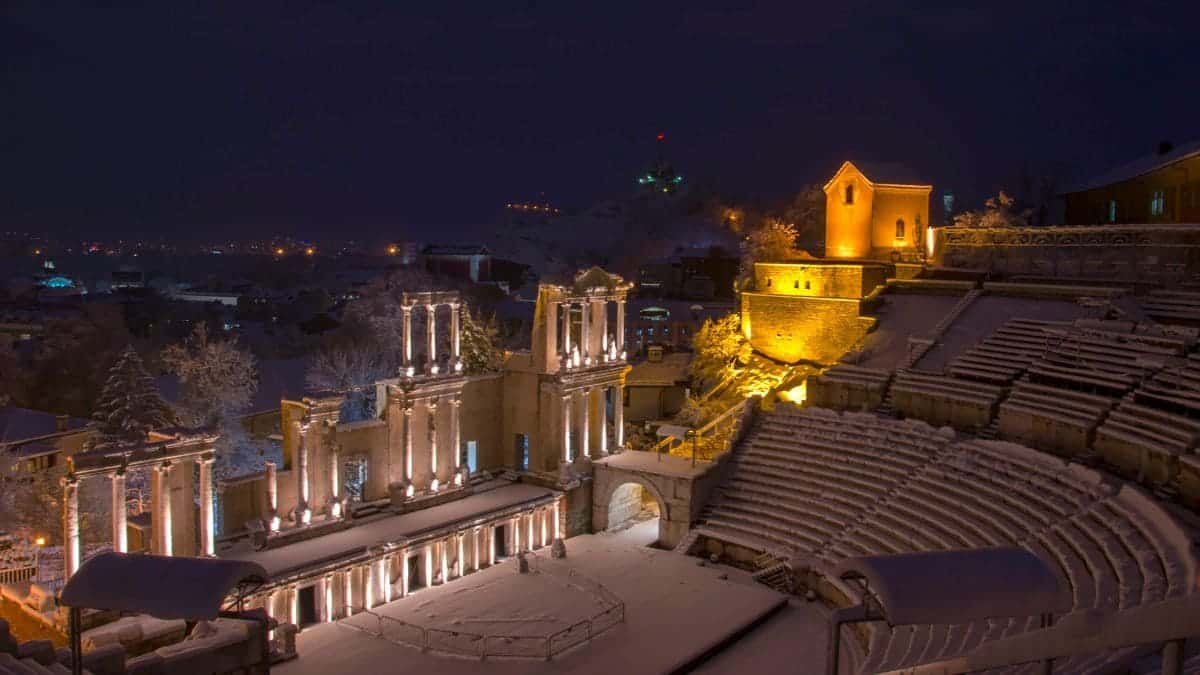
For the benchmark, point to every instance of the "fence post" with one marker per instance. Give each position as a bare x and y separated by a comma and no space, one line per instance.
1172,658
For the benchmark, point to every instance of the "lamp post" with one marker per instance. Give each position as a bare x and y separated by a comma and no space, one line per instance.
38,544
691,433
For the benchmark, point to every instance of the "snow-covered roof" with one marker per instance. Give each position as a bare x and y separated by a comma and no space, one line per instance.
161,586
672,370
21,424
945,587
881,173
1139,167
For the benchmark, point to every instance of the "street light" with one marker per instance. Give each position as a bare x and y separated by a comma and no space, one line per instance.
39,542
691,433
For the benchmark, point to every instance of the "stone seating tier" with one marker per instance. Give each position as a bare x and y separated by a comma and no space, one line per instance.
825,486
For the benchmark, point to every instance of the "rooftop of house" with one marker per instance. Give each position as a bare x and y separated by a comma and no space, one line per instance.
671,370
1139,167
23,424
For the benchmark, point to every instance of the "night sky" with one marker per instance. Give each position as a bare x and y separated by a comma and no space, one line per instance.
260,117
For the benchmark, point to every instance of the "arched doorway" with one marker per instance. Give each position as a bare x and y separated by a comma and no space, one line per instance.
634,513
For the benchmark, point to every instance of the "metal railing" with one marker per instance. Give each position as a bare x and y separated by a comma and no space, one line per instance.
15,575
712,435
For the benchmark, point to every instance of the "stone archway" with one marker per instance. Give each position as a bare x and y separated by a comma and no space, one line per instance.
671,493
635,511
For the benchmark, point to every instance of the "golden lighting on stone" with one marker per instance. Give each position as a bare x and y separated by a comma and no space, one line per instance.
797,394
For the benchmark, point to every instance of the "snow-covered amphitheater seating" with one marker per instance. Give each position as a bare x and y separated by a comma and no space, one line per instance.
1004,355
1172,306
1048,418
1102,361
943,400
849,387
817,487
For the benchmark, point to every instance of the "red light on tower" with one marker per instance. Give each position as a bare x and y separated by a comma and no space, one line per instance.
661,136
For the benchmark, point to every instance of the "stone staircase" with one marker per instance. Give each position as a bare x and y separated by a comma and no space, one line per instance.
778,577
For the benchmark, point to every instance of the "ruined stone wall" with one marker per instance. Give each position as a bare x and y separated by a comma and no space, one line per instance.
1142,253
480,420
520,405
792,329
829,281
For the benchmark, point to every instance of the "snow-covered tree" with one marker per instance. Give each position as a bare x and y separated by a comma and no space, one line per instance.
774,241
997,211
353,370
719,345
129,407
479,351
217,379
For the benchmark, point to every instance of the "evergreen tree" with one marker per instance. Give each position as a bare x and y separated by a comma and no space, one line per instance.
130,405
479,351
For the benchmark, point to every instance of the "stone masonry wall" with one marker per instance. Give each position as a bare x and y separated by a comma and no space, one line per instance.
792,329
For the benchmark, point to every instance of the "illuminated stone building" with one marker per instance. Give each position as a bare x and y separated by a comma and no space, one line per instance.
876,212
1159,188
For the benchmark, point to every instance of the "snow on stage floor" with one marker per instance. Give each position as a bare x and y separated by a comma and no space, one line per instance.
675,611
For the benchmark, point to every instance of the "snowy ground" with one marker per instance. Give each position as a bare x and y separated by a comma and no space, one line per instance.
794,640
987,314
901,316
675,610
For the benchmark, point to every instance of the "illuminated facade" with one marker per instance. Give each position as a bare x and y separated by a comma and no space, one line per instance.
870,214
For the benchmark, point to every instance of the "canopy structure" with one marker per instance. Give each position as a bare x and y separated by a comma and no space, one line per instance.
164,587
959,586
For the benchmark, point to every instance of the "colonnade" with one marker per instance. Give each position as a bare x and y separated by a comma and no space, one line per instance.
388,574
431,365
577,413
160,509
588,349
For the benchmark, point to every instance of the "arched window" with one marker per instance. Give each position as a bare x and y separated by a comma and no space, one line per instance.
899,228
849,193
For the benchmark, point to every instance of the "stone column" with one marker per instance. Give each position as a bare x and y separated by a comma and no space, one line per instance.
456,438
119,515
620,327
327,596
557,531
385,577
566,421
162,508
348,591
408,449
475,534
462,568
551,329
369,588
530,541
433,449
514,524
455,331
444,549
272,497
404,573
600,315
406,310
489,541
618,417
585,400
206,507
566,329
335,488
602,440
431,329
293,600
428,551
303,513
71,538
585,344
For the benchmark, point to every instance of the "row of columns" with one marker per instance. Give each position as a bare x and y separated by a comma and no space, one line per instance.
380,582
559,338
431,337
431,406
582,412
160,510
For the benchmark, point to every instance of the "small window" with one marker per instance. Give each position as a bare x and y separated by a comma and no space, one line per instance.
769,282
796,284
471,457
808,285
850,193
899,228
1157,203
1112,210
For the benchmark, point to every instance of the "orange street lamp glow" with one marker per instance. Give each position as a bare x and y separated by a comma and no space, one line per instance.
309,251
40,541
278,251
